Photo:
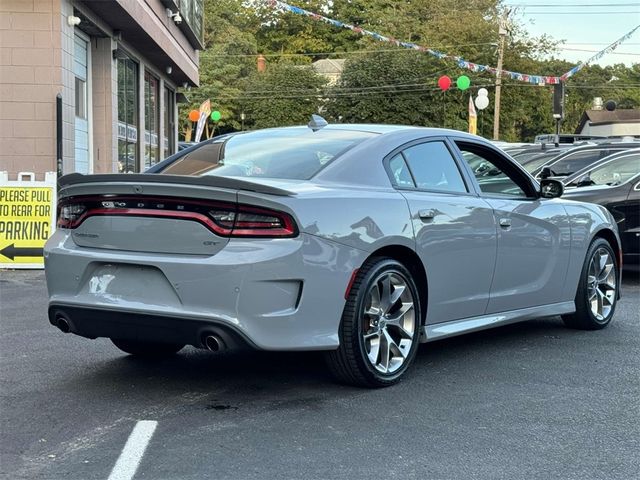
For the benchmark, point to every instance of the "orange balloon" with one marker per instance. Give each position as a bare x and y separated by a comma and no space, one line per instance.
194,115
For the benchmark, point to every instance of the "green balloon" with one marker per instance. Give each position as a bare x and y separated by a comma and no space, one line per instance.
463,82
216,116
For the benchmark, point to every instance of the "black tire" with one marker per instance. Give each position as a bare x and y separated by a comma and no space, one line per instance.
350,363
147,349
584,318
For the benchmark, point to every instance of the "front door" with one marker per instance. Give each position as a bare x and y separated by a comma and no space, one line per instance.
80,70
534,237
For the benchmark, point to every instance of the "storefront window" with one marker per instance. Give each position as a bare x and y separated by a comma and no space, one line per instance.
151,123
169,125
127,116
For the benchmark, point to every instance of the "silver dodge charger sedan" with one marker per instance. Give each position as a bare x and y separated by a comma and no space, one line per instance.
362,241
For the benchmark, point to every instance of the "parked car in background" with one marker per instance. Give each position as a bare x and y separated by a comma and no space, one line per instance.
616,169
615,184
578,158
276,240
534,156
513,148
565,138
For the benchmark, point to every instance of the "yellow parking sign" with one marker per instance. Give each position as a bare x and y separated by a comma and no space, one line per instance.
27,219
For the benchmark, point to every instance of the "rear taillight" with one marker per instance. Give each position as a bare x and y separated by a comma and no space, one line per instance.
246,221
69,215
224,219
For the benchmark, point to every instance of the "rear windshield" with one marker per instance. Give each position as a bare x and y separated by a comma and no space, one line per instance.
291,153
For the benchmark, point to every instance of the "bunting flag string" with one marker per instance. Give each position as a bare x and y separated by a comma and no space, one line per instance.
461,62
598,55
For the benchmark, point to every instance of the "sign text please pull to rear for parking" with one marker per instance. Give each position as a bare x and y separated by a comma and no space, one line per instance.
26,222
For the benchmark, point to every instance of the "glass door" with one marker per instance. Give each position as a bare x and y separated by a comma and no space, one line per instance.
127,116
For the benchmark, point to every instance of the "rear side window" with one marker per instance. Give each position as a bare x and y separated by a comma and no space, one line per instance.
400,172
433,168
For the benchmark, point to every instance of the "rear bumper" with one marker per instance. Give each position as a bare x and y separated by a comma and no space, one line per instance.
93,323
284,294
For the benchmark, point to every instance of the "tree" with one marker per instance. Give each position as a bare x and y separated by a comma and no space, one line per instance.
389,84
286,94
225,63
388,87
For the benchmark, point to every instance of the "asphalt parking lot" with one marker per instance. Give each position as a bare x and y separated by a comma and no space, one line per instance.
533,400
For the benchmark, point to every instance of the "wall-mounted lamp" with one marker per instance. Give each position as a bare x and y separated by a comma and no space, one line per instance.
72,20
169,69
177,19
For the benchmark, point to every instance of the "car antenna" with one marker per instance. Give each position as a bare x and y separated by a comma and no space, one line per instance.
317,122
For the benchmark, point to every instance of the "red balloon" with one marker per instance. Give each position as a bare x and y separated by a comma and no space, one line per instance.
444,83
194,115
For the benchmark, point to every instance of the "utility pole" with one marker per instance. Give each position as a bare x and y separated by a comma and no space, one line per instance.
502,31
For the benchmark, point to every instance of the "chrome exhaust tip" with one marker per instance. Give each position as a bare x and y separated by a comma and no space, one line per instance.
213,343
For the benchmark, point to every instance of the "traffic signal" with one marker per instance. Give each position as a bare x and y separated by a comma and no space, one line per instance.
558,100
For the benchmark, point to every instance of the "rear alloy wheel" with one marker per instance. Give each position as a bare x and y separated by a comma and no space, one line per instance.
598,289
380,326
147,349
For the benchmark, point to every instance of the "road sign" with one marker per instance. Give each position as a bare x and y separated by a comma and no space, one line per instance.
27,219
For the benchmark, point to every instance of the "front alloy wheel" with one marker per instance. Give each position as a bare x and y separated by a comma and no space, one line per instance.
597,291
601,284
380,325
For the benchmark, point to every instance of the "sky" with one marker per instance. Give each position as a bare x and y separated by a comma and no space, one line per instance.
584,25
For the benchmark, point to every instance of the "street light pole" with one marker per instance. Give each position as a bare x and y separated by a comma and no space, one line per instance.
502,31
242,117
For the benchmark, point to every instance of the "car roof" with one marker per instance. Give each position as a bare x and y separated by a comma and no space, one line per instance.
365,127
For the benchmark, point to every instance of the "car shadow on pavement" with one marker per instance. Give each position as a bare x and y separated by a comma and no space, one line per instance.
254,372
292,375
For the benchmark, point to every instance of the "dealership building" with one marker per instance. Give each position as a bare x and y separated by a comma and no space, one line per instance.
91,86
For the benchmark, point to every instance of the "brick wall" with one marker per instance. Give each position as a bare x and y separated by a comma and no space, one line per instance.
30,78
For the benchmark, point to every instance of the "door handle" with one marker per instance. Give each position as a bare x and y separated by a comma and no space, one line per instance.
427,214
505,222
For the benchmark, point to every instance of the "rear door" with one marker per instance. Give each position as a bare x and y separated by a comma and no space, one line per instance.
533,233
454,229
630,233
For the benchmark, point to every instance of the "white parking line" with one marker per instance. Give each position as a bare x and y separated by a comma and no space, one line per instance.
129,459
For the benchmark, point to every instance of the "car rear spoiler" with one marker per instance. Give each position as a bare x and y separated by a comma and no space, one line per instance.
207,181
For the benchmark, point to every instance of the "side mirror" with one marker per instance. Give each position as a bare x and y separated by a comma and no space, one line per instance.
550,188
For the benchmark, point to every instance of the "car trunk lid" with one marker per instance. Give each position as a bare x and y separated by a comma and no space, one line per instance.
160,214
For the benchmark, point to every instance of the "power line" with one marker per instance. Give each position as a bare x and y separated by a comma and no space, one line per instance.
596,51
596,44
352,52
565,5
579,13
421,90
